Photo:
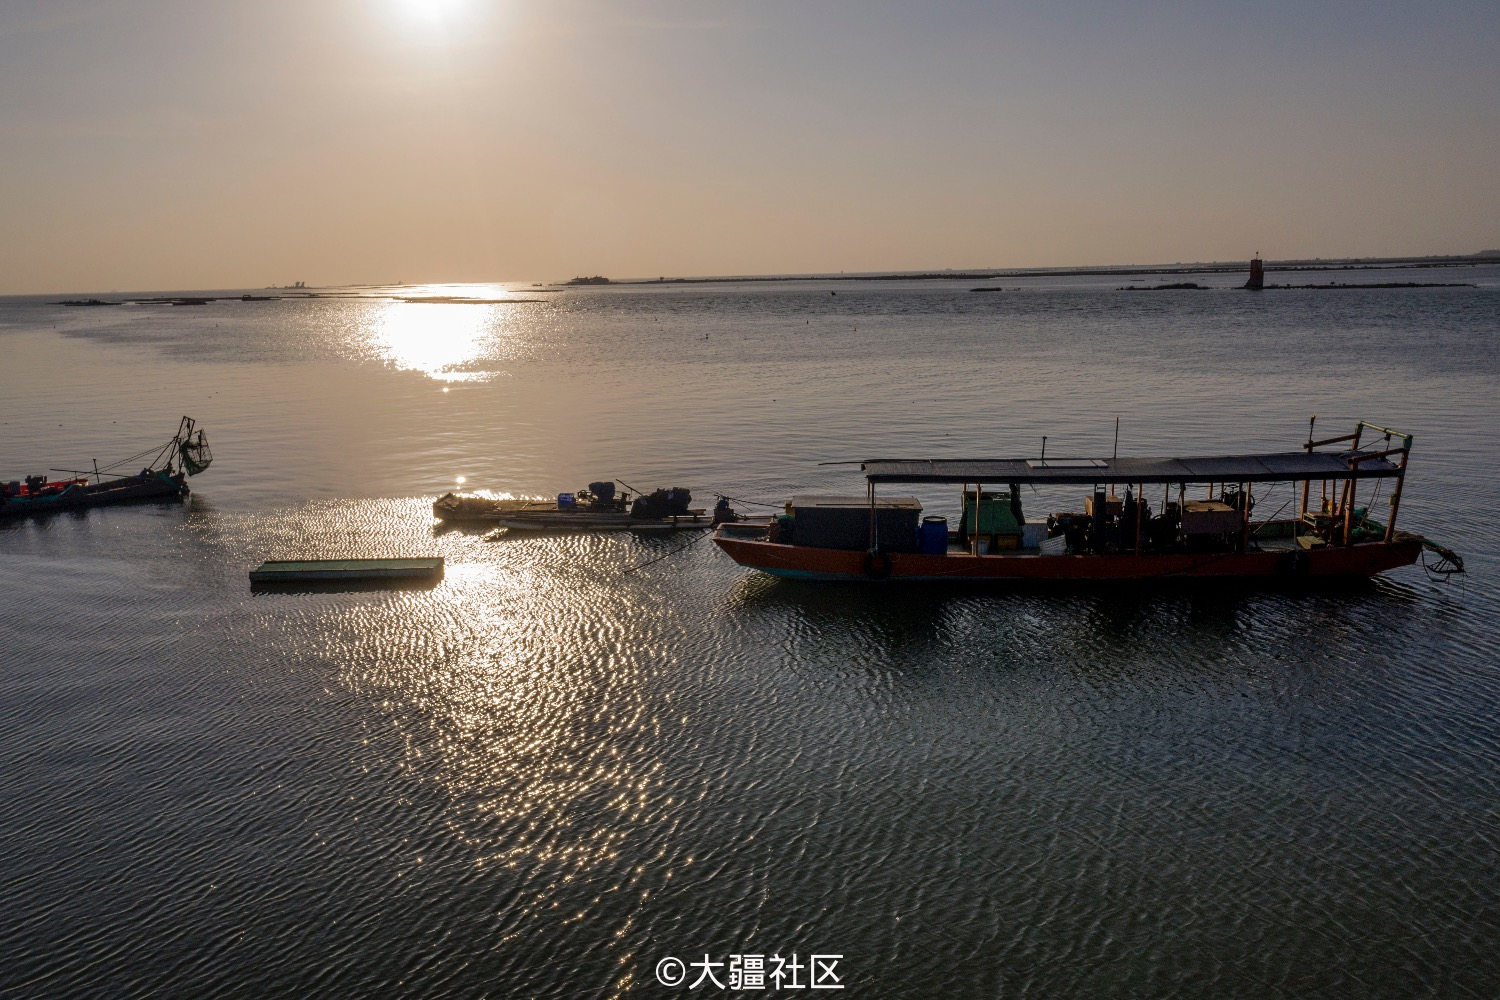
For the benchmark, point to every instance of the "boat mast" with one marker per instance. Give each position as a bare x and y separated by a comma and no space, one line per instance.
1390,524
1307,483
1349,487
1405,452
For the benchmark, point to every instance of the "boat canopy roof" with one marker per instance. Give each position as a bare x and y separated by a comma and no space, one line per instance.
1276,467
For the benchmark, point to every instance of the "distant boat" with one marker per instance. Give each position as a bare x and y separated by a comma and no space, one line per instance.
1257,275
163,478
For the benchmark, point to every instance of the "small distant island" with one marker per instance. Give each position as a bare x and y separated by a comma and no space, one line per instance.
597,279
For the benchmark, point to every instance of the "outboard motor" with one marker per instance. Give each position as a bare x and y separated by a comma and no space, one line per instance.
1238,499
662,503
723,513
604,492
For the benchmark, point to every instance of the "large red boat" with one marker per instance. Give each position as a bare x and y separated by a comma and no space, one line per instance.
1204,527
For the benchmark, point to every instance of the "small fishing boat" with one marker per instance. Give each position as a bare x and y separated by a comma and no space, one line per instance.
460,508
600,507
1204,527
164,477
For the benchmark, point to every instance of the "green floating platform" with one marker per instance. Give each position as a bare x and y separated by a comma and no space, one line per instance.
347,570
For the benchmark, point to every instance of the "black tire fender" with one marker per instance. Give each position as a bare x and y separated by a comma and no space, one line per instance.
877,564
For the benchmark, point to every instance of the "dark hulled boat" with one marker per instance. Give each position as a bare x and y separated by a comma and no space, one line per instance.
598,508
163,477
467,508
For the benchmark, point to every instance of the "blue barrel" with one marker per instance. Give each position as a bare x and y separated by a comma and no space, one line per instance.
566,501
932,536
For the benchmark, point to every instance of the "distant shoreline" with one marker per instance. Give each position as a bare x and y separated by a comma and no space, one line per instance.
970,274
1103,270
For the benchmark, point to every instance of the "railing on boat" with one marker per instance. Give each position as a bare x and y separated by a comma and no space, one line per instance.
1336,521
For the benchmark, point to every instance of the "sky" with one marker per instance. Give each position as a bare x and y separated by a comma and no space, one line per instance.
157,144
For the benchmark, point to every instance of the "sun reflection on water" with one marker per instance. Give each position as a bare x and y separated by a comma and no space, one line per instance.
514,688
443,340
529,696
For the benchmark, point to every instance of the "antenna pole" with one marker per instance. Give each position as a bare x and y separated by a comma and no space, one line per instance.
1117,440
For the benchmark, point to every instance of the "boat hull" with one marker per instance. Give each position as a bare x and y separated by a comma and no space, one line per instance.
584,521
460,509
131,489
808,563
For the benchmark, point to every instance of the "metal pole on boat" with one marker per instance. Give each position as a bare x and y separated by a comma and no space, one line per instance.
964,535
1349,487
1140,503
1245,516
1343,512
974,535
1307,483
1390,524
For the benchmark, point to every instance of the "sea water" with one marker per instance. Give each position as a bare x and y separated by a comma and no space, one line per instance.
580,759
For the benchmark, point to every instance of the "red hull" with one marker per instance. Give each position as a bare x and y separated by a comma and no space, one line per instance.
1362,560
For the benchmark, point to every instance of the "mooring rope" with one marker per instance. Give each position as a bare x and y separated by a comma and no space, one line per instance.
753,503
656,559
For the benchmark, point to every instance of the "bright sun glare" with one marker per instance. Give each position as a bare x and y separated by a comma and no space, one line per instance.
440,340
431,11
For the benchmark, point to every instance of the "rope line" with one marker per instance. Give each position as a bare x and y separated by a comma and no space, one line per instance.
655,559
753,503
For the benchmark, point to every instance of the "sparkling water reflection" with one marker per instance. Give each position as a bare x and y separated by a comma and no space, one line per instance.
565,761
435,339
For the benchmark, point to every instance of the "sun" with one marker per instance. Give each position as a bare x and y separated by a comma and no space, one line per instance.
433,12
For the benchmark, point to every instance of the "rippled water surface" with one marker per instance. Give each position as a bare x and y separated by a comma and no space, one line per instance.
577,756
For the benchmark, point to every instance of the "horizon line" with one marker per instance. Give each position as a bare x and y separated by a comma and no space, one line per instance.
968,273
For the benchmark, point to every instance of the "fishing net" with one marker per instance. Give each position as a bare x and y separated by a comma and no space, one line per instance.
195,453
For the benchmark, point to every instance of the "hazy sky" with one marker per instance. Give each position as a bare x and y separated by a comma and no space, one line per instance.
159,144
